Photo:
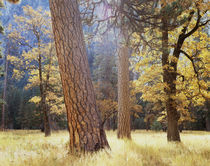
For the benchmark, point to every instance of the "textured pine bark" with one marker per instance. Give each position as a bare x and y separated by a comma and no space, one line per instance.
169,78
84,121
123,94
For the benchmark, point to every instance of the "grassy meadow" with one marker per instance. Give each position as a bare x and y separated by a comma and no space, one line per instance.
31,148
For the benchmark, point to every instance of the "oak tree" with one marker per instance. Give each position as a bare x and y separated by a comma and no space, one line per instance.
166,66
35,29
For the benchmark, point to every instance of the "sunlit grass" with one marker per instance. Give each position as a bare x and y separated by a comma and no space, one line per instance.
31,148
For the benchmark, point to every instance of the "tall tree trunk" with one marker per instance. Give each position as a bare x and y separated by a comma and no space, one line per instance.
4,95
124,130
84,121
170,70
169,78
44,90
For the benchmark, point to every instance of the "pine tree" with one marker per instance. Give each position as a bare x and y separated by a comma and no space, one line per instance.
123,128
84,121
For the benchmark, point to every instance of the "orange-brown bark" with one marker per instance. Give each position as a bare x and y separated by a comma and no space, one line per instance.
84,121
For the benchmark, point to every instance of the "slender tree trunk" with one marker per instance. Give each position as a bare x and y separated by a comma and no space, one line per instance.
44,90
47,129
4,95
169,78
124,130
43,103
84,121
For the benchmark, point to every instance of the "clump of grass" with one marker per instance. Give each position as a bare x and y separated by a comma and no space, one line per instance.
31,148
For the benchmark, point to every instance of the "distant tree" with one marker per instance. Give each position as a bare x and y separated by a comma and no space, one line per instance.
156,126
123,129
105,81
1,74
38,61
4,94
3,100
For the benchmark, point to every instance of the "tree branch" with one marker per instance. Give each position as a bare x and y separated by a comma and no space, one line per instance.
196,72
196,25
191,59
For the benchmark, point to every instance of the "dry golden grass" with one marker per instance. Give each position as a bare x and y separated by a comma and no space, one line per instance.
31,148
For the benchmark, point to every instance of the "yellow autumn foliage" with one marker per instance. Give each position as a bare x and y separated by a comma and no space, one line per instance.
192,86
38,61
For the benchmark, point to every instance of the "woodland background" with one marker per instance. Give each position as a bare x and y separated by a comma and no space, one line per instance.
22,108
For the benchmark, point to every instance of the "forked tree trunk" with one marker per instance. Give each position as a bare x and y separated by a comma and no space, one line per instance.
169,78
84,121
4,95
170,70
123,130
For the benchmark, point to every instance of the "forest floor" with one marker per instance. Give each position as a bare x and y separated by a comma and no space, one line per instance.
31,148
